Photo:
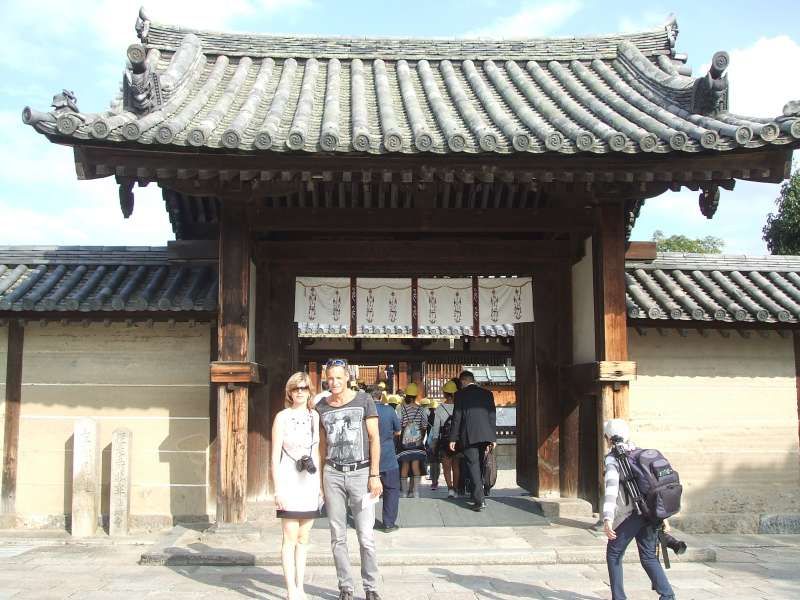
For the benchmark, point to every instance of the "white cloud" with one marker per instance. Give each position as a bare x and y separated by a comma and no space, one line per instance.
42,202
763,77
89,216
651,18
533,19
85,26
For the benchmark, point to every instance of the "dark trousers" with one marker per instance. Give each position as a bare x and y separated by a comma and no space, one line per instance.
391,496
473,457
646,535
433,462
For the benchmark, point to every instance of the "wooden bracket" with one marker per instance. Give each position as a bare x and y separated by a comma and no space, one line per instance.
231,371
584,378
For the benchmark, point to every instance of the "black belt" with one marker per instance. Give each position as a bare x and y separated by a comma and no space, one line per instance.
347,467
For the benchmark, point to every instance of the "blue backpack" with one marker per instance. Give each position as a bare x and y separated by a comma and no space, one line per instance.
658,483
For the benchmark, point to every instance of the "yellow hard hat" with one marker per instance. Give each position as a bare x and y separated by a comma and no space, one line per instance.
411,390
434,404
393,399
382,385
424,401
450,387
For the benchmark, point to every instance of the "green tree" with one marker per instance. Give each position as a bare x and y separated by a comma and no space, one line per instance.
681,243
782,231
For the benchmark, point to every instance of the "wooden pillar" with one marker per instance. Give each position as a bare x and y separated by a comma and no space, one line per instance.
232,330
259,421
552,350
402,377
213,414
16,336
313,373
275,303
525,386
610,319
612,332
569,414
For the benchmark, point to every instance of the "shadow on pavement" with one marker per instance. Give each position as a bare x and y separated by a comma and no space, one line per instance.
489,587
250,581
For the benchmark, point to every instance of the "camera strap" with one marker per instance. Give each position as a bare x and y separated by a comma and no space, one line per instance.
311,447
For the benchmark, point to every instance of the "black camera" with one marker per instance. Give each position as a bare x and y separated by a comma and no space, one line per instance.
674,544
306,463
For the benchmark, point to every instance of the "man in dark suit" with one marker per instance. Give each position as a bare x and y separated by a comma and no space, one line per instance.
474,425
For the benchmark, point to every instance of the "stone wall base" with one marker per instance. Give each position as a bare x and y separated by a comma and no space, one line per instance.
737,523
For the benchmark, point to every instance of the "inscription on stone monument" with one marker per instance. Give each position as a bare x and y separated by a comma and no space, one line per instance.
85,479
120,509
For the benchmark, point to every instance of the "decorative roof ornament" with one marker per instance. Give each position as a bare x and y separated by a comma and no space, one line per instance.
142,25
709,200
672,29
792,109
141,86
710,95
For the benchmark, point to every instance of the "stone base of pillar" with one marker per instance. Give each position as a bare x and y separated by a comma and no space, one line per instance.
231,533
555,508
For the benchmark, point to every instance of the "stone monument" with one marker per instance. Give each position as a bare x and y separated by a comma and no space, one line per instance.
120,503
85,479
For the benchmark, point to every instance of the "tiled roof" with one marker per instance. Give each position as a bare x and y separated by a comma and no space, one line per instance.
714,288
254,93
499,375
110,279
676,287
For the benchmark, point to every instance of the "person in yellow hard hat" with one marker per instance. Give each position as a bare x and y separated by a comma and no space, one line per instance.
442,421
384,396
413,424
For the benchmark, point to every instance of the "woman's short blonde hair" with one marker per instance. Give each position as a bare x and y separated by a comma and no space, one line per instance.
295,381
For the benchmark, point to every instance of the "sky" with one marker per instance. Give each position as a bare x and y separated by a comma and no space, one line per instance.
80,45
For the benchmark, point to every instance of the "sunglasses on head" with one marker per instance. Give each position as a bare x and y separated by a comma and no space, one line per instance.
336,362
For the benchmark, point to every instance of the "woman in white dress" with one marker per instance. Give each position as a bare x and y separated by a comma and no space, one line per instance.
296,472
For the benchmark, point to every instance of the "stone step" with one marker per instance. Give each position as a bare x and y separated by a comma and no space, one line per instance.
404,557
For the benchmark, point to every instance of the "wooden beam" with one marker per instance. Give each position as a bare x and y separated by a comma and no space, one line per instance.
763,164
232,329
231,371
263,219
438,252
16,337
641,251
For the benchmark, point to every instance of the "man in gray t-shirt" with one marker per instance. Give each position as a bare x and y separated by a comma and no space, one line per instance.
346,428
351,444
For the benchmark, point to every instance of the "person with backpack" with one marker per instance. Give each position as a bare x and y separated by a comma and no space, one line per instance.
634,505
411,454
440,433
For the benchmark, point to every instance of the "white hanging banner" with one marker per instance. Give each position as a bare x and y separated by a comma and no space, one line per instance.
445,302
383,305
322,301
505,300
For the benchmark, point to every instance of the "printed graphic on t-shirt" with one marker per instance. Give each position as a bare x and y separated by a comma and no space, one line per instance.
343,427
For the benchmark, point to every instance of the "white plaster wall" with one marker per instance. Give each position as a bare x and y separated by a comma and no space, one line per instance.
153,381
724,411
583,349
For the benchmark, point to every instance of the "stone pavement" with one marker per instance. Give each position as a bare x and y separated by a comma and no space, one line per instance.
749,567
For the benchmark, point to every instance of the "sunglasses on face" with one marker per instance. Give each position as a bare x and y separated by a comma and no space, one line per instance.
301,388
